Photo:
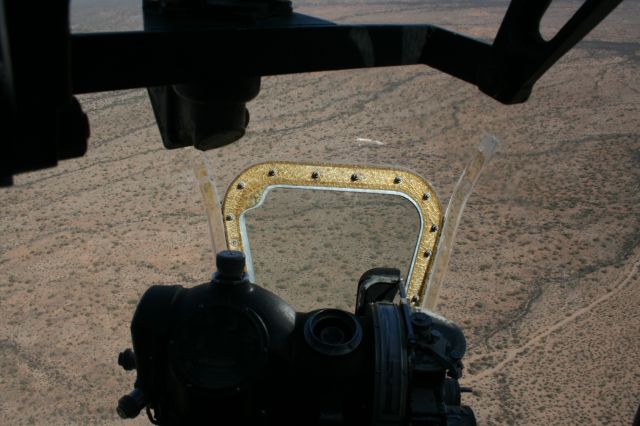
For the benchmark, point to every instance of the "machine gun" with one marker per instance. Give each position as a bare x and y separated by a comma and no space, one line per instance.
230,351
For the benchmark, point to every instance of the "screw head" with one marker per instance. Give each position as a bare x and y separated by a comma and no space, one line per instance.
427,253
240,185
397,180
228,217
315,175
272,172
354,177
434,227
425,196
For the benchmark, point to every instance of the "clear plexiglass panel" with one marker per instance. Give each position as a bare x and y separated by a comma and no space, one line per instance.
311,246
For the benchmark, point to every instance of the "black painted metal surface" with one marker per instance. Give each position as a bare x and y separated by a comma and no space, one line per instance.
42,65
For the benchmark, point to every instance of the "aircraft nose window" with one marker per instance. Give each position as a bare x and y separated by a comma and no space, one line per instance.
311,246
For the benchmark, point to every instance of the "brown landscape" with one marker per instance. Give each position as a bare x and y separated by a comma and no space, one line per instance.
544,275
311,247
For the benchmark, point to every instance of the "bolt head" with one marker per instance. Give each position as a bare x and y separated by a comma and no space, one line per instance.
421,320
435,335
456,354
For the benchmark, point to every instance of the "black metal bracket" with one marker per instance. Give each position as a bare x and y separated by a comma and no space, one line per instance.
505,70
39,77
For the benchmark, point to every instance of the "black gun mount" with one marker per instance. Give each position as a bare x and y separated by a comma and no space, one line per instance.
202,60
230,351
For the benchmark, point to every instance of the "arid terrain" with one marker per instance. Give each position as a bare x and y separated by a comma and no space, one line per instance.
544,276
311,247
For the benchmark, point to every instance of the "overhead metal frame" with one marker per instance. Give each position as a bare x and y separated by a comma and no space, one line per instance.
506,70
42,65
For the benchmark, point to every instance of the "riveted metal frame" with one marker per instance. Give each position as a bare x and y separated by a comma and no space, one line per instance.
250,188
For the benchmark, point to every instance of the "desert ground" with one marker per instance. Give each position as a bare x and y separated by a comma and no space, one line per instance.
544,275
311,247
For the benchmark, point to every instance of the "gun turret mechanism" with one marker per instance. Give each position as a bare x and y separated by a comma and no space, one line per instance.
229,351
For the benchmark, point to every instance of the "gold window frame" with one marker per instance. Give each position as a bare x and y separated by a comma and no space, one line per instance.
250,187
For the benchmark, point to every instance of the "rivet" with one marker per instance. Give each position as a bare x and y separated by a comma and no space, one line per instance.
354,177
240,185
234,243
397,180
425,196
415,299
315,175
272,172
434,227
229,217
427,253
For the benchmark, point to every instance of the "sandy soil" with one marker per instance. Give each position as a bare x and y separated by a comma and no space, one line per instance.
544,277
312,247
